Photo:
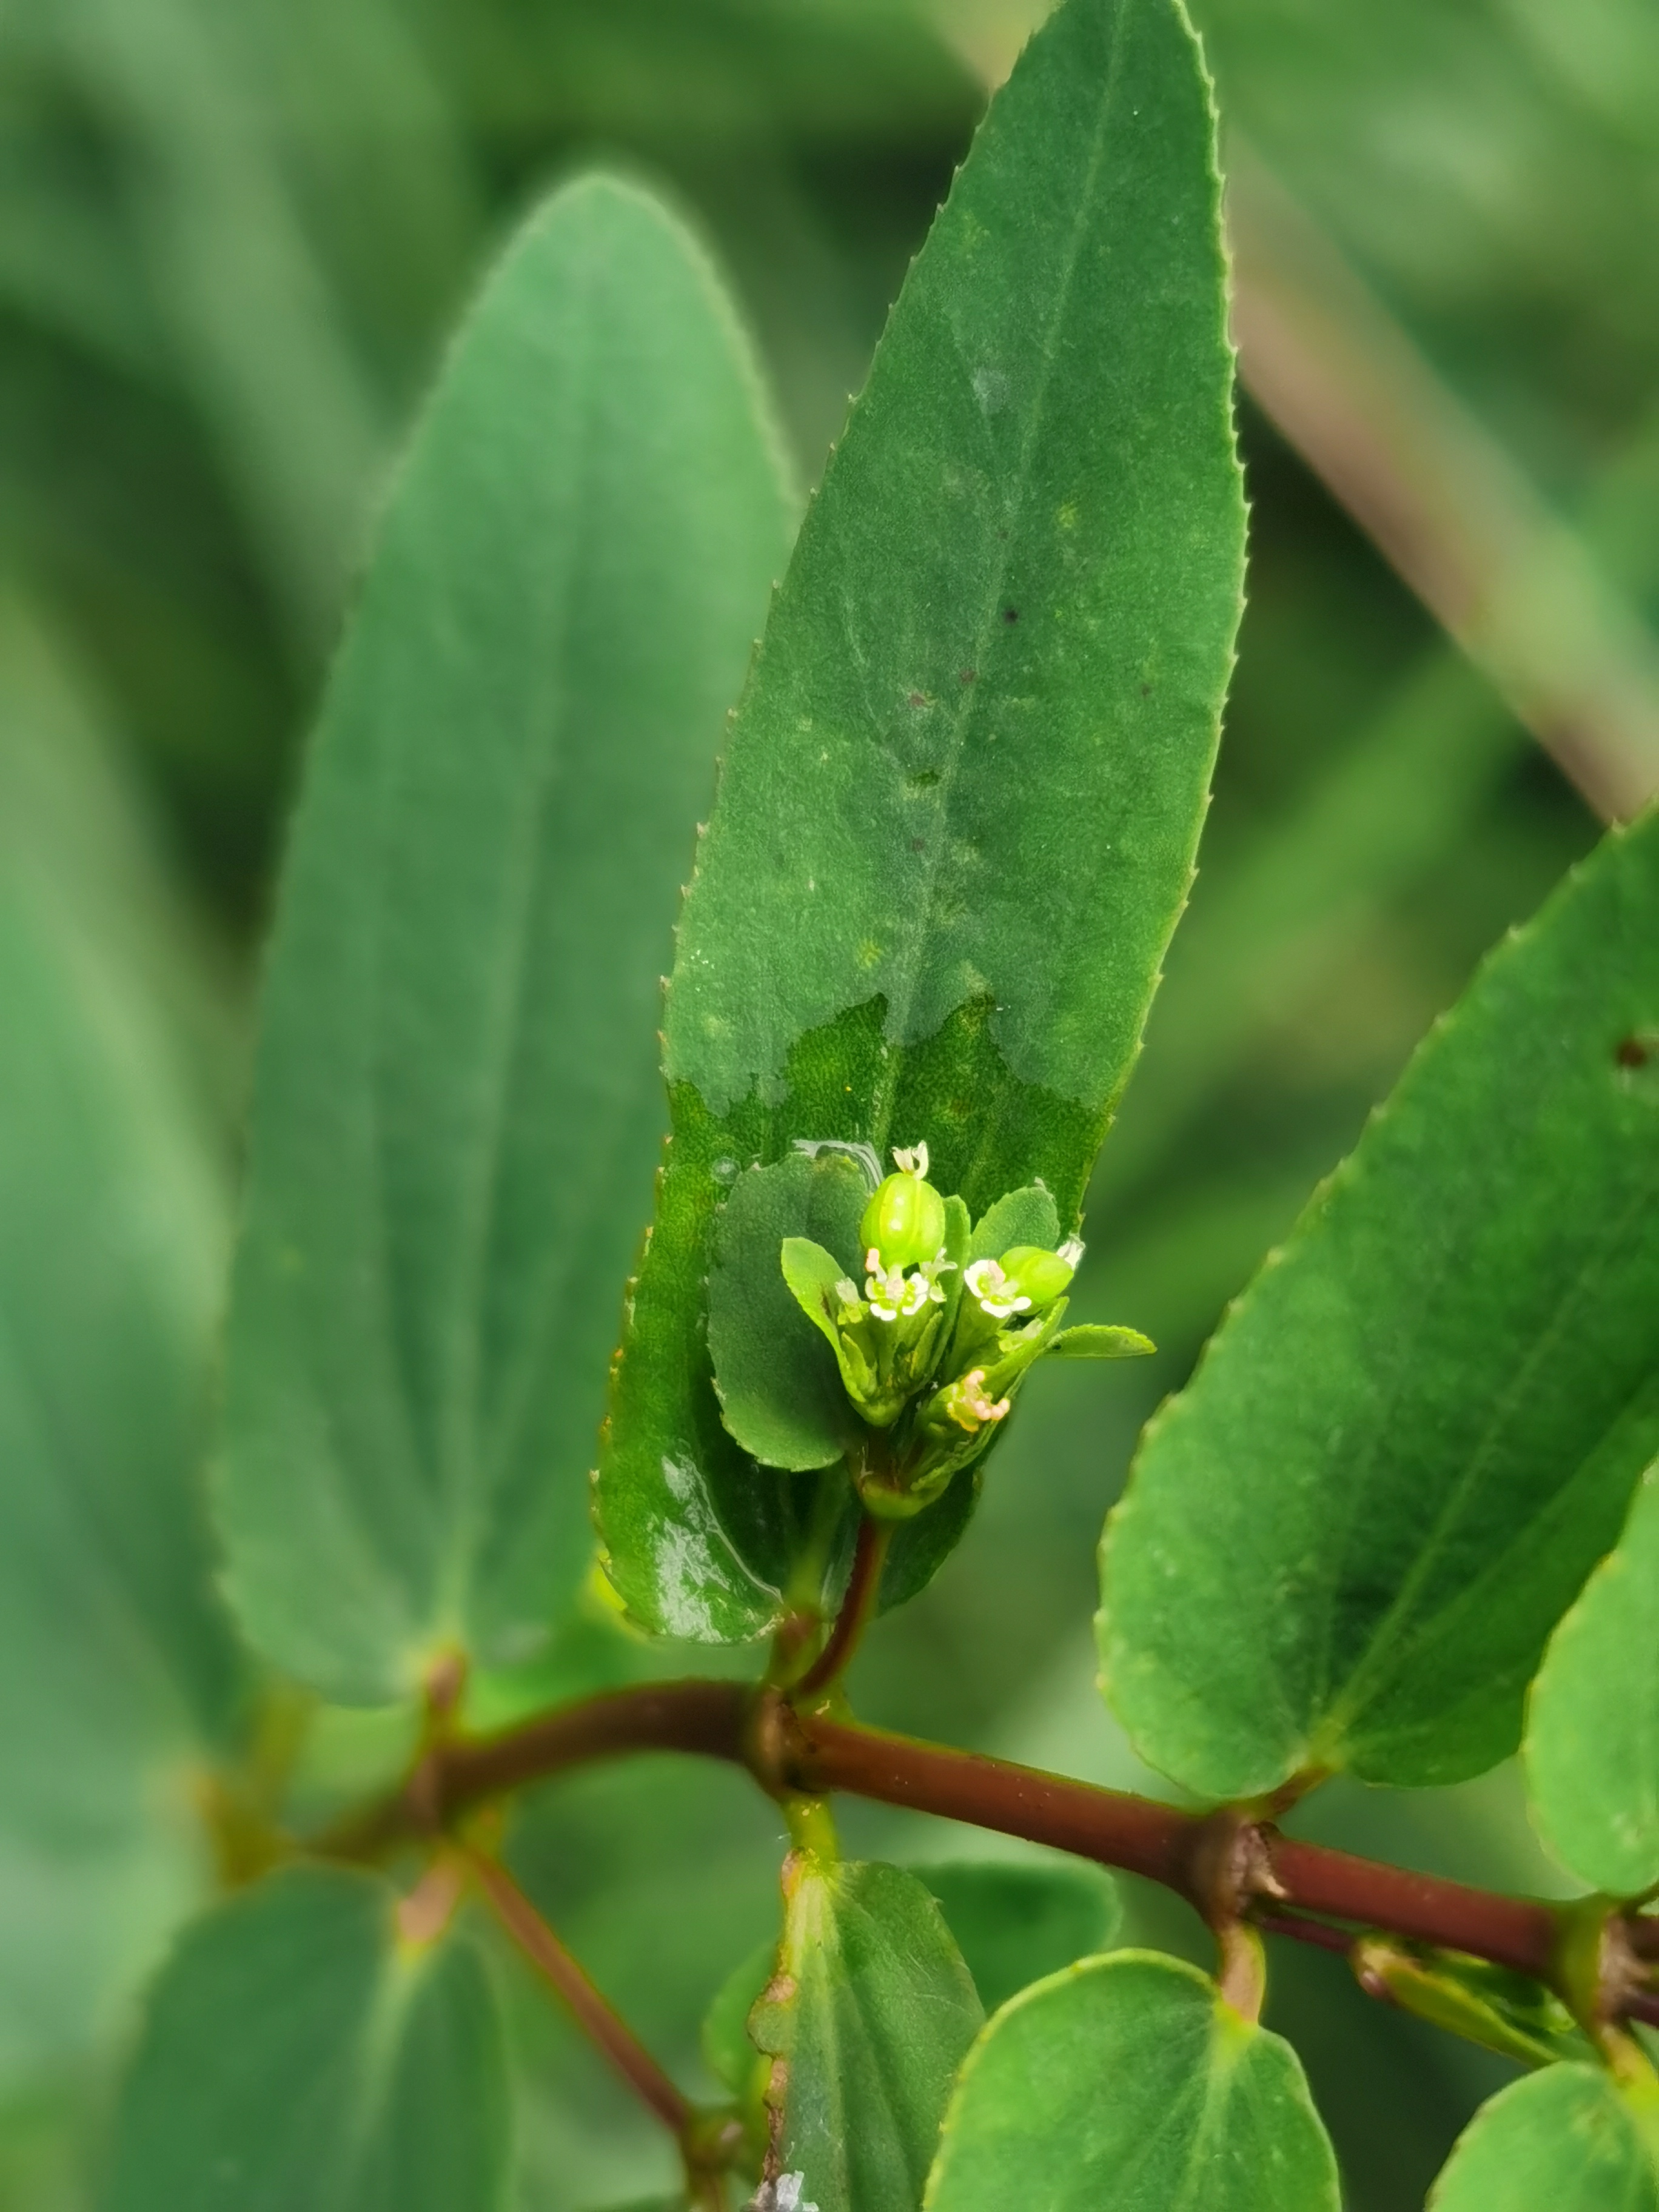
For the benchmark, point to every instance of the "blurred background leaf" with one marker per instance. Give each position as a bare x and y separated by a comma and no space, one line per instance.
120,1685
230,245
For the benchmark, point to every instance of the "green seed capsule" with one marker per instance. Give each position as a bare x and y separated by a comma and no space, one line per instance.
904,1220
1038,1275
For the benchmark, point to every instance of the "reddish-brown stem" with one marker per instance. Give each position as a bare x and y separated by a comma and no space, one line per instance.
1510,1931
869,1557
1319,1933
593,2015
792,1751
706,1718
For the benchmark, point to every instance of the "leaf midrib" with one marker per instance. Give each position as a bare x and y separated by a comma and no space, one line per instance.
1016,494
1397,1623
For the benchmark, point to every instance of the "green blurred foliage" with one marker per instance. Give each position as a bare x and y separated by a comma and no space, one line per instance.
231,241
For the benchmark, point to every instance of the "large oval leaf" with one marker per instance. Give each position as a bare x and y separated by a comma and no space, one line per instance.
456,1108
1561,2141
296,2056
957,817
1592,1744
1346,1542
1128,2082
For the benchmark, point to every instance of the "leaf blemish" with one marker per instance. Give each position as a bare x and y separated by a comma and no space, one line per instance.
1634,1052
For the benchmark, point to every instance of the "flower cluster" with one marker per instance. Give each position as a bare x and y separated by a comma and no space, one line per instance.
934,1346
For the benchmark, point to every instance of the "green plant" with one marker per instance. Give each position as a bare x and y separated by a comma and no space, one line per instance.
956,826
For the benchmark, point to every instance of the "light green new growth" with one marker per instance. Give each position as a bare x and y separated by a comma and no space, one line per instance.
933,1345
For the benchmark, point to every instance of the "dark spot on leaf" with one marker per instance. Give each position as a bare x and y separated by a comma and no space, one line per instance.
970,675
1146,690
919,699
1636,1051
1011,614
918,844
924,778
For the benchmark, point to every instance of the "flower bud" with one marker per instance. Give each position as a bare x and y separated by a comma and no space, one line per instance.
904,1221
1038,1275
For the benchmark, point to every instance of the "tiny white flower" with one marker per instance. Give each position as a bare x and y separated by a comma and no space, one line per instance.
997,1296
932,1269
1071,1252
912,1161
895,1296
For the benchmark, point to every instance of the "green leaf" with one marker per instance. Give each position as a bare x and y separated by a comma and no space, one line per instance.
958,812
731,2057
1094,1341
780,1389
1019,1217
1128,2082
297,2057
1015,1923
870,2015
1561,2141
119,1681
456,1111
1592,1742
1345,1544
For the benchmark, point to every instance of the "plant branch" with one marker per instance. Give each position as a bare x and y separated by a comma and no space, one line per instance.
862,1585
791,1752
593,2014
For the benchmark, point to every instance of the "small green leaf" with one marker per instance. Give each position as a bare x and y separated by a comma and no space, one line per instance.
730,2055
1019,1217
1093,1341
780,1389
1347,1543
1592,1742
456,1109
959,812
870,2013
1128,2082
296,2056
1015,1923
1561,2141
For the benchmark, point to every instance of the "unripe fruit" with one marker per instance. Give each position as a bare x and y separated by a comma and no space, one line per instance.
904,1221
1040,1275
